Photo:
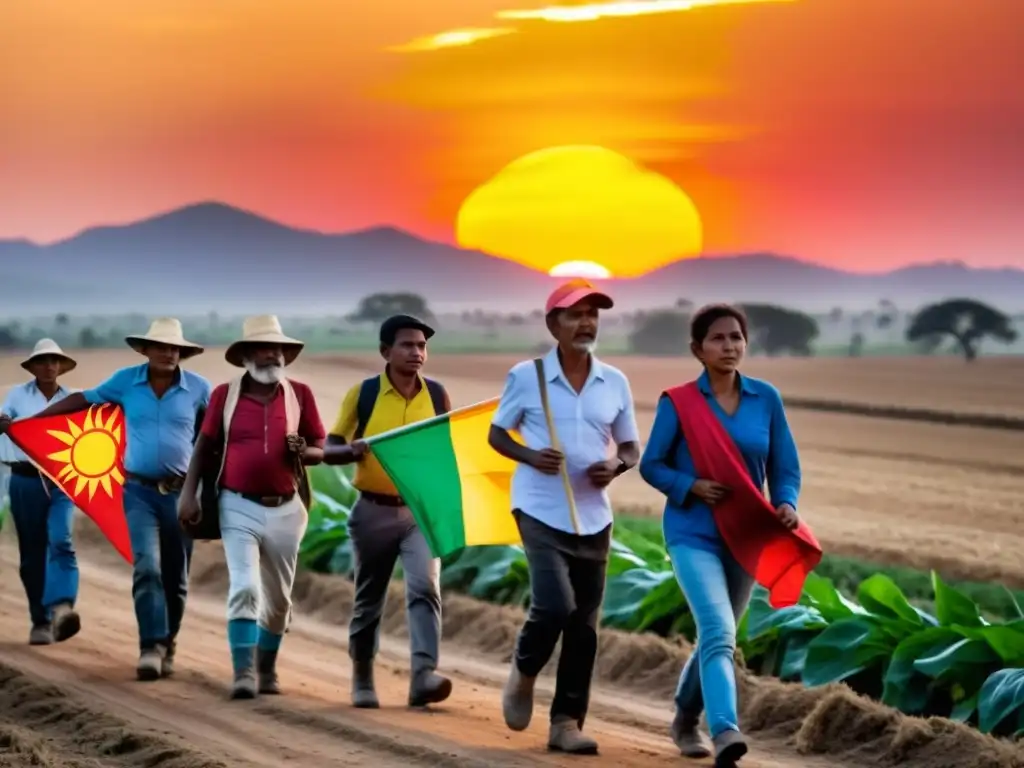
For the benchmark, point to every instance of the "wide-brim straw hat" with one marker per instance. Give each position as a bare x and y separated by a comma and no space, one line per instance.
165,330
263,329
45,347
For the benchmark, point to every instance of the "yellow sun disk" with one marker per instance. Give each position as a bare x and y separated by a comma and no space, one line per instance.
580,204
91,457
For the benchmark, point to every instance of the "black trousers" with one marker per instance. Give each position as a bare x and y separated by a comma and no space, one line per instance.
567,577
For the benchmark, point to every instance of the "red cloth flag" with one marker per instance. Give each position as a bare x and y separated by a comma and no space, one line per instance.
83,453
777,558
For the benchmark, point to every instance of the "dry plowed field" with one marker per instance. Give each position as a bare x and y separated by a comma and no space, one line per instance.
902,492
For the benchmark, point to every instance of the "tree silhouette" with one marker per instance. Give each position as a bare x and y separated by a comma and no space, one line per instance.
856,348
660,332
88,339
62,320
966,320
8,339
775,330
378,307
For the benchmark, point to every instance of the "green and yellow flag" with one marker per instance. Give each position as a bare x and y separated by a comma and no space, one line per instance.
455,484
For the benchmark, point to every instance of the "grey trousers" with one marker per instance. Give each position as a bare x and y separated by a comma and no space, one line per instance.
380,535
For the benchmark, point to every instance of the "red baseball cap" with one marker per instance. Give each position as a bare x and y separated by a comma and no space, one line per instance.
575,291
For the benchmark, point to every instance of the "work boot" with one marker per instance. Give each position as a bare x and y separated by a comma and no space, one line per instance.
691,742
428,687
40,634
730,746
565,736
245,686
517,699
363,694
66,622
266,669
151,663
167,667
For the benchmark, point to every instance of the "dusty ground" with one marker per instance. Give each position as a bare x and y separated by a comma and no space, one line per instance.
908,493
77,704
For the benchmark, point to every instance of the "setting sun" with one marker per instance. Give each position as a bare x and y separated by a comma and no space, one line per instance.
581,211
91,456
587,269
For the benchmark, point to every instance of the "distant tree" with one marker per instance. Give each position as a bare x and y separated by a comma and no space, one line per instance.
8,339
835,316
88,339
966,320
378,307
856,348
776,330
62,320
660,332
685,306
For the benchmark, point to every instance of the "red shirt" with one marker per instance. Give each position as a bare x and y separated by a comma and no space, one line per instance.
258,460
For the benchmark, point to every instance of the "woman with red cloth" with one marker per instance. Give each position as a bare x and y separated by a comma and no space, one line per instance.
714,444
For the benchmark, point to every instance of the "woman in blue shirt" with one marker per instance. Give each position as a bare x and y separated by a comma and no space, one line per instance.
717,588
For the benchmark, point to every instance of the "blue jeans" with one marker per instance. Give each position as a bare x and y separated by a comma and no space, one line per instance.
49,568
717,590
162,554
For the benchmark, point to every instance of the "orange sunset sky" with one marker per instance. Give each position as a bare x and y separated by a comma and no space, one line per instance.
864,134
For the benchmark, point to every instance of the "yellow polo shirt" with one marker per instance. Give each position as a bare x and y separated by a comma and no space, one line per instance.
390,410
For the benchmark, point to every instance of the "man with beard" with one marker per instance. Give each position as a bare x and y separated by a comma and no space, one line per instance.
569,408
43,514
267,429
381,526
162,405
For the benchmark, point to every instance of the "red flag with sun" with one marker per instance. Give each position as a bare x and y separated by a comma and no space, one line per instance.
83,453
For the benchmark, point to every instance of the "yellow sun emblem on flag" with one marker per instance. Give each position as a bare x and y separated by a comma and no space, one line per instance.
91,456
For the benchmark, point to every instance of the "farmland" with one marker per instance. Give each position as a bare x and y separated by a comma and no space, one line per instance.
903,493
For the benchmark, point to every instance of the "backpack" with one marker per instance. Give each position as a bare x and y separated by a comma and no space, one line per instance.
369,390
208,527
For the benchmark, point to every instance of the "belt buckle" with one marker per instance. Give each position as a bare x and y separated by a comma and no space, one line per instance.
161,487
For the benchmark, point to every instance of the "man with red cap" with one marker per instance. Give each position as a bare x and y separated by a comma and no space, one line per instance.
569,408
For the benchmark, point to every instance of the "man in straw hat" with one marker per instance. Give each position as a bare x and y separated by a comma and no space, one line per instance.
569,409
264,428
43,514
163,405
381,526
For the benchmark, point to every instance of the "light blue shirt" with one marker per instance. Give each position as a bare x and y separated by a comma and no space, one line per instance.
23,401
588,423
160,430
761,432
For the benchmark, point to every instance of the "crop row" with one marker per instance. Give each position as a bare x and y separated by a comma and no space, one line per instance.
952,661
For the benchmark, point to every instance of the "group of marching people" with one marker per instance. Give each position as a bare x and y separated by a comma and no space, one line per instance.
245,445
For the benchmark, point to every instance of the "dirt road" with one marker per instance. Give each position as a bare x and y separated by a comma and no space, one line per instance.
312,725
78,704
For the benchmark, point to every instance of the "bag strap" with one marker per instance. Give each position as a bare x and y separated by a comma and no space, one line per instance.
368,392
437,398
230,403
542,383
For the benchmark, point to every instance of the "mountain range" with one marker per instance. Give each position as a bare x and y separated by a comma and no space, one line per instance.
211,256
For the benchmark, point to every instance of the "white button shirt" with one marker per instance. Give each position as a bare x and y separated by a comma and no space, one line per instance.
588,424
23,401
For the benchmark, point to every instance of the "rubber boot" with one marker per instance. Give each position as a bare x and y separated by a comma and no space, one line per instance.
363,694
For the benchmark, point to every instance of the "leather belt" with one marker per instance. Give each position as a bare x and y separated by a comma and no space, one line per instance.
383,499
266,501
164,485
23,469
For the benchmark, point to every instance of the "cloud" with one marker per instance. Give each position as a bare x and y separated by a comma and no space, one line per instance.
567,14
451,39
581,204
595,11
